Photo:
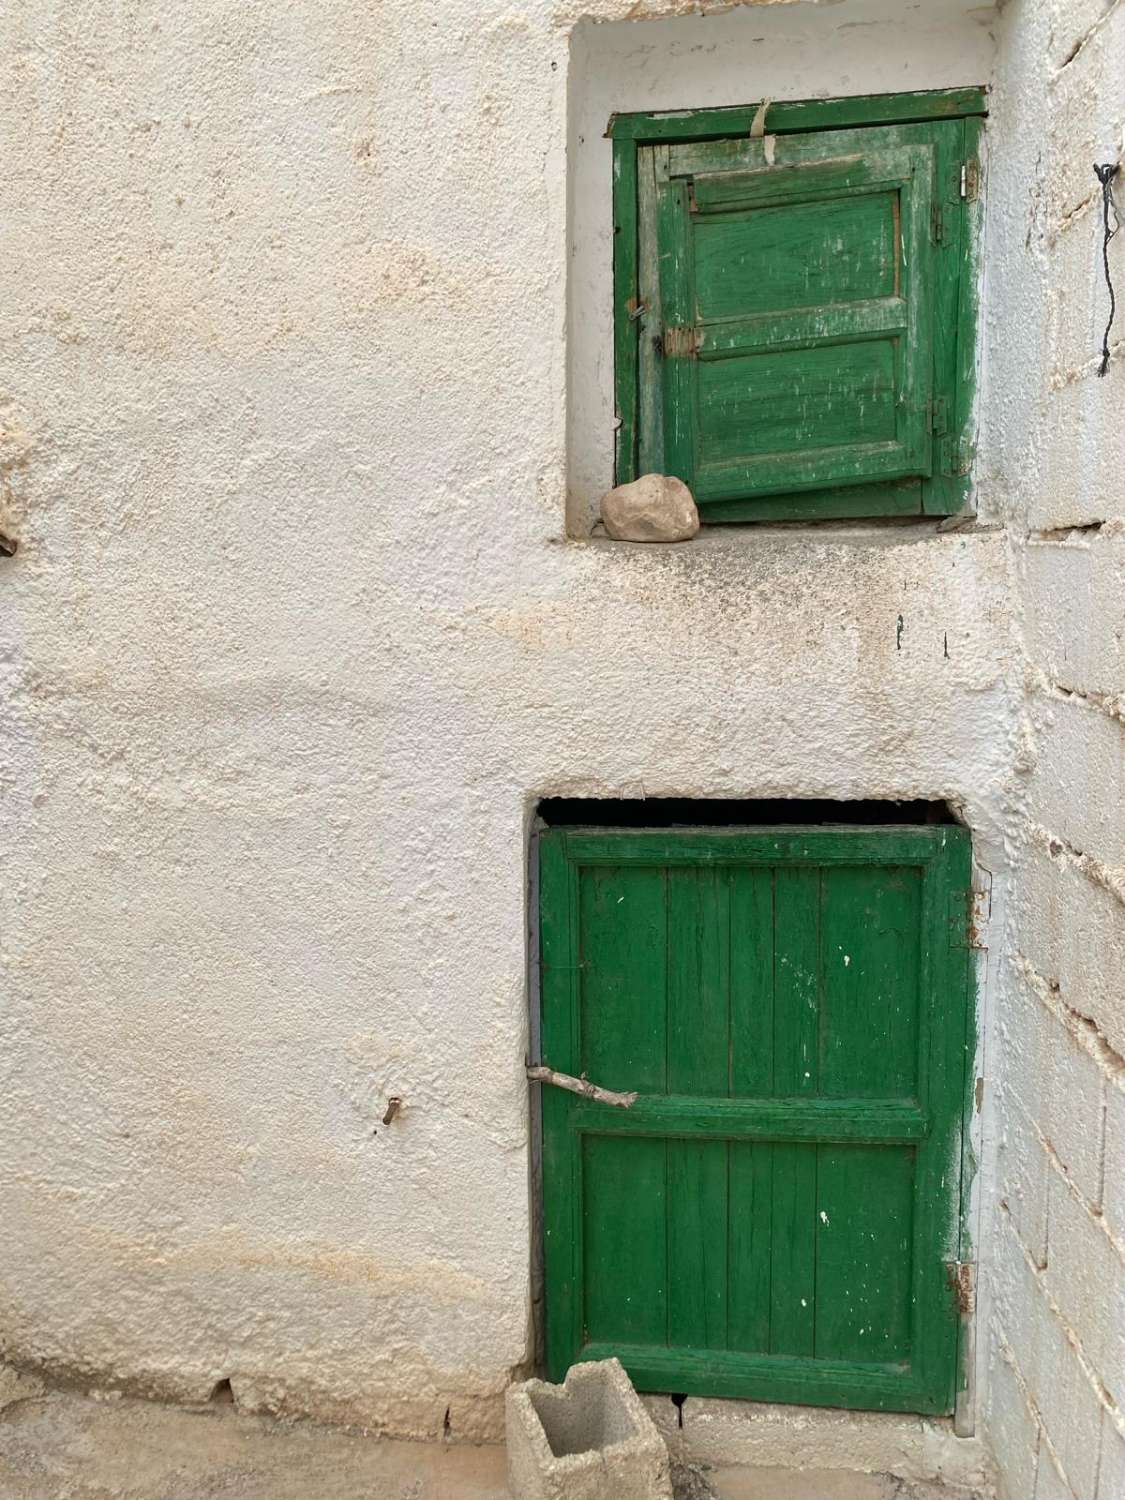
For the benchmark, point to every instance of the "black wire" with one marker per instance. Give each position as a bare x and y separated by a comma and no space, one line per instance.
1105,174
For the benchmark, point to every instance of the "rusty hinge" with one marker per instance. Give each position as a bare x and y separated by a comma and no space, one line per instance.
962,1276
968,912
681,341
970,180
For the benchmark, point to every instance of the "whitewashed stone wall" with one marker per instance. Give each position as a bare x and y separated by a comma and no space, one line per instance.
1056,434
295,640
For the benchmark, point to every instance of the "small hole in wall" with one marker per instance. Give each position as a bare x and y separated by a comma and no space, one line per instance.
678,1402
222,1395
446,1425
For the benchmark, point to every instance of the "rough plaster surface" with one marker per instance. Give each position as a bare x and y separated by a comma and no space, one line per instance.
131,1450
294,642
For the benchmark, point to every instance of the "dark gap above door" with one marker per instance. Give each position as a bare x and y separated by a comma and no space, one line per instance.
724,812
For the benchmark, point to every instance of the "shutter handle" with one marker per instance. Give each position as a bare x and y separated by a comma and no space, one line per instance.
581,1086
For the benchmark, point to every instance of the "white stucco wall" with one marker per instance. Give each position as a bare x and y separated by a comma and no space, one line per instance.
294,642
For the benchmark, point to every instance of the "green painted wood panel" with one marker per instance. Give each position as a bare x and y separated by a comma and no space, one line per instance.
872,954
798,333
864,1222
791,400
623,989
772,1217
804,255
624,1218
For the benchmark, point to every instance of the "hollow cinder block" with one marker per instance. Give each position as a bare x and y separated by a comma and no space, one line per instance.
588,1439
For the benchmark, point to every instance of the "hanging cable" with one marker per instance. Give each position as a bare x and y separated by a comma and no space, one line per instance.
1105,174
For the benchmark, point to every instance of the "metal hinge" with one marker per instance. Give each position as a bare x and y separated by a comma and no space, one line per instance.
968,912
938,416
970,180
937,223
962,1276
681,341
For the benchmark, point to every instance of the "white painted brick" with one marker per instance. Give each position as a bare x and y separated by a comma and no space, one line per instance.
1077,789
1111,1483
1073,931
1078,649
1049,1483
1068,1403
1073,1111
1086,1279
1022,1168
1069,1407
1114,1206
1012,1433
1051,1081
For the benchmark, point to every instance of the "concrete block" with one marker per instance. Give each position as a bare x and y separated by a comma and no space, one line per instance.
1050,1483
1114,1203
1081,650
1055,1086
1074,932
1011,1429
588,1439
1022,1166
1069,1408
1111,1479
1073,1111
1085,1278
1077,789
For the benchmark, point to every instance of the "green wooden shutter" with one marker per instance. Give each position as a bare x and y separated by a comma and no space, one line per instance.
798,307
774,1217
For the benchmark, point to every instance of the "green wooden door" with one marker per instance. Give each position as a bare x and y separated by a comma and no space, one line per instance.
803,301
774,1217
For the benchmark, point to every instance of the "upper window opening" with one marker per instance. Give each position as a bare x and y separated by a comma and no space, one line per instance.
794,304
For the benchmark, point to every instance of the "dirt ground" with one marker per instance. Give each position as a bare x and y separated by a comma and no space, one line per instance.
67,1447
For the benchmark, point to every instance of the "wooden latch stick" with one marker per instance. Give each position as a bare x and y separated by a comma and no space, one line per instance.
581,1086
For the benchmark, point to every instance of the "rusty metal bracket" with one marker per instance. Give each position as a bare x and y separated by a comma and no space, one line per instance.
962,1275
681,341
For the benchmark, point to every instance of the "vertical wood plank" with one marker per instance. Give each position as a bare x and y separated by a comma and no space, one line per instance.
677,296
698,1063
625,1251
945,493
870,1013
944,1053
864,1228
793,1274
562,1165
797,975
625,291
751,981
652,166
750,1235
623,939
749,1229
